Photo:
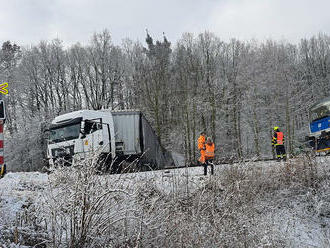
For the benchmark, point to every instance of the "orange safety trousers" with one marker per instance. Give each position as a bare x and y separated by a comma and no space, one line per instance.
202,157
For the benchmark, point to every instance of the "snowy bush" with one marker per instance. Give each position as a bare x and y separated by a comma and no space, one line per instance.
85,209
25,149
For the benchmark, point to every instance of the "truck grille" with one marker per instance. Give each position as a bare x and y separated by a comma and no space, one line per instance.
63,151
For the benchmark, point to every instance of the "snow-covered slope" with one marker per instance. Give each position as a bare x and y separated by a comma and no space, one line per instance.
288,209
17,191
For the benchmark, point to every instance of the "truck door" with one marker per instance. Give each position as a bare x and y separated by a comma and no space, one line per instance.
94,138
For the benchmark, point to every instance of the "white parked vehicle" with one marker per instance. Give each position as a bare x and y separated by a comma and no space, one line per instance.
116,135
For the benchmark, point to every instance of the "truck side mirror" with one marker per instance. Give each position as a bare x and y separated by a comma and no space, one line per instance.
46,134
82,130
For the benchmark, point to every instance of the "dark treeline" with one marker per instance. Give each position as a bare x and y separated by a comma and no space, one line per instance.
236,91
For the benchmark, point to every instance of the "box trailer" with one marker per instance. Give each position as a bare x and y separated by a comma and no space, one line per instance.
135,136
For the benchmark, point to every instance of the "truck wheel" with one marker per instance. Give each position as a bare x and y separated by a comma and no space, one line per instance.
103,163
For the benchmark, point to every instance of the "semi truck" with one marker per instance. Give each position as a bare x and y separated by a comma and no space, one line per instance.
119,138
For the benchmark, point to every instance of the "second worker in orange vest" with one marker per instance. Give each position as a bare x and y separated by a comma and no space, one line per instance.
209,155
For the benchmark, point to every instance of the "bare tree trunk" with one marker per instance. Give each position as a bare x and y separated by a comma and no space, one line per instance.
256,131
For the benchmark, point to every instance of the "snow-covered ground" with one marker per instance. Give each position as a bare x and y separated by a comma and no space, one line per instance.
19,190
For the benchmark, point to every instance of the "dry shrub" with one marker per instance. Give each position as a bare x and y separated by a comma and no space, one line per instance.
302,172
80,208
229,209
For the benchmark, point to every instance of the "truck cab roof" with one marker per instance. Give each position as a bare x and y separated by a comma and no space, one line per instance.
84,114
90,114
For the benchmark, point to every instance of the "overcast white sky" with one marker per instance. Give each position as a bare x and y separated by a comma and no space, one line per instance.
29,21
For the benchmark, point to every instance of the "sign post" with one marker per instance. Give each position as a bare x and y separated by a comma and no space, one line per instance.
2,121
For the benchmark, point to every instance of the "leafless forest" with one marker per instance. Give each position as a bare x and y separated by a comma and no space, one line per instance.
235,90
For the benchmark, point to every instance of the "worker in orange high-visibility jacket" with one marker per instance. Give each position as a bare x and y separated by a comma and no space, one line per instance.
209,155
278,143
201,147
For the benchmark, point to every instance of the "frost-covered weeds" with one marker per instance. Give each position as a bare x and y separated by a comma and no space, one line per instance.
85,209
241,206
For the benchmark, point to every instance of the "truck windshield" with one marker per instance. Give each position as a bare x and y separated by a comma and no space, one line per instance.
64,133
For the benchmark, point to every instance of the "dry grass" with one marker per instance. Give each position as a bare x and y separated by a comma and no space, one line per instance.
240,206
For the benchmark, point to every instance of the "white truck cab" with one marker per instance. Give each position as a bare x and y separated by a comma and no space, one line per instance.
80,133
